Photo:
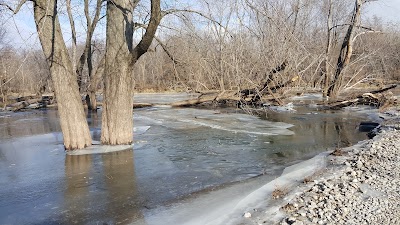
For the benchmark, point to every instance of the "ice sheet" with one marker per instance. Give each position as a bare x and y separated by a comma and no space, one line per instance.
227,206
162,98
98,149
192,118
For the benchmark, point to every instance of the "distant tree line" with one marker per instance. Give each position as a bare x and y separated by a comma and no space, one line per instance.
210,45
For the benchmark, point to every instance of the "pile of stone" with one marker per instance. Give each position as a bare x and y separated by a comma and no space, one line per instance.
360,187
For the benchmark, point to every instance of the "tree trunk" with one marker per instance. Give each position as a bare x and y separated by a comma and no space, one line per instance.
91,101
345,52
327,51
72,116
94,81
117,115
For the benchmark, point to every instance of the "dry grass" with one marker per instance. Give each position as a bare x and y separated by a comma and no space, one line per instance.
279,192
312,177
288,207
308,179
337,152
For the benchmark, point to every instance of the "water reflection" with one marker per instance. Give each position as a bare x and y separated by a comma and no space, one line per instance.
343,136
101,189
314,131
78,179
28,123
94,119
123,198
174,160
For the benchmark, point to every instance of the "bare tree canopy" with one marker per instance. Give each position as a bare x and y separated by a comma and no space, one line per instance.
245,49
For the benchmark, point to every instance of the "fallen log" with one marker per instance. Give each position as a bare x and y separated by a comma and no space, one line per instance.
253,97
243,97
223,96
17,106
23,104
384,89
279,86
270,77
141,105
256,92
377,100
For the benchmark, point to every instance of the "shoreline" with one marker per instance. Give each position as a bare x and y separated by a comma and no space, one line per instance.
360,184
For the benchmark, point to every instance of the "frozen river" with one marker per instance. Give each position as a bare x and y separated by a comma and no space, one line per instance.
180,156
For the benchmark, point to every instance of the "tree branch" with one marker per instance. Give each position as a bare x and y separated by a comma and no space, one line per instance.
172,11
151,29
16,10
164,47
91,26
73,31
348,24
365,32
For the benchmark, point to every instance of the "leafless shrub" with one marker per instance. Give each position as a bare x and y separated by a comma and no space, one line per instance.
235,44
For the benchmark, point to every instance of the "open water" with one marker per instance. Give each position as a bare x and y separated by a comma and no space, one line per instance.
179,155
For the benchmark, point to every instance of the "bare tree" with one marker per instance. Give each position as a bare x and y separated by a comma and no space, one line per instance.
346,51
87,55
117,119
328,49
72,116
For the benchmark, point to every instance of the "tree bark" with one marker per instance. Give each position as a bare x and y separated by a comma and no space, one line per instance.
72,116
73,33
345,52
327,50
94,81
87,56
117,117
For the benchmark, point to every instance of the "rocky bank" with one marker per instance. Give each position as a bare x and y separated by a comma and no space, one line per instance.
361,185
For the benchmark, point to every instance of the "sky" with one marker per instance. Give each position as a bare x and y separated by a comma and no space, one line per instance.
388,10
21,30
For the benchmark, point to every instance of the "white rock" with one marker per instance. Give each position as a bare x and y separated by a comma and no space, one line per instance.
291,220
247,215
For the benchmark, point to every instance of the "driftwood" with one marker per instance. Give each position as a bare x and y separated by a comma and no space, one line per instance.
32,102
23,104
384,89
375,98
271,75
223,96
244,97
254,97
141,105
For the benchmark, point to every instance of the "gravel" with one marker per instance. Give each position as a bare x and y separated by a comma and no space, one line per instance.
360,187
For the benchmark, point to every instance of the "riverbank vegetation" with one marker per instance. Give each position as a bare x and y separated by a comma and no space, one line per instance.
246,51
235,46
